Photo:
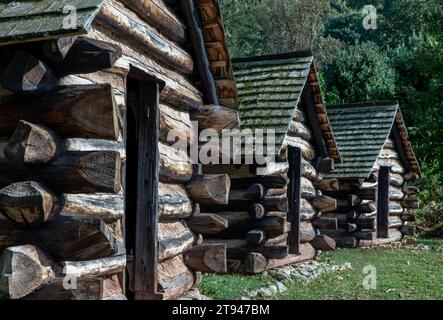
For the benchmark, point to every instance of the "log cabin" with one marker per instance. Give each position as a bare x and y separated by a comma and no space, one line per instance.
95,203
271,206
374,179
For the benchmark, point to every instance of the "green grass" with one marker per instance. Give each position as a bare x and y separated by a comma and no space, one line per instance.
401,274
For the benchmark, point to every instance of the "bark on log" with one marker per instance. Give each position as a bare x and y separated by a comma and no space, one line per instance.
173,239
307,252
298,129
74,172
175,165
307,211
92,268
309,172
307,189
307,232
324,243
160,17
175,125
66,238
175,278
28,203
87,56
26,74
207,223
326,184
324,203
272,168
23,269
80,111
210,189
307,150
122,20
108,207
207,258
216,117
174,202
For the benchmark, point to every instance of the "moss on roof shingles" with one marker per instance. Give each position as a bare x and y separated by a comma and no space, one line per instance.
39,19
361,131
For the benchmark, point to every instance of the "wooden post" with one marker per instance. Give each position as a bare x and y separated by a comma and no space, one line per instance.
294,197
146,250
383,203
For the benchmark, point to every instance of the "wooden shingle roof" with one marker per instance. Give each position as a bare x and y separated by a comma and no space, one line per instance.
270,89
31,20
361,131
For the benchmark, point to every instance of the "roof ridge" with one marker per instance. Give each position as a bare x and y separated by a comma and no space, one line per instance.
279,56
365,104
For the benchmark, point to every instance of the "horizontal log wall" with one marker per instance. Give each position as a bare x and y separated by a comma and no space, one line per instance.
148,36
257,212
356,224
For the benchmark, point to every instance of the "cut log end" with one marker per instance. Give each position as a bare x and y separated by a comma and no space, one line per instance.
23,270
28,203
32,144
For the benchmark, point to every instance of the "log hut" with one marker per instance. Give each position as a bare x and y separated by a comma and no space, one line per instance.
272,206
374,179
95,203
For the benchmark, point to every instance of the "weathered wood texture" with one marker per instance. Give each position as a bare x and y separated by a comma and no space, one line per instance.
81,111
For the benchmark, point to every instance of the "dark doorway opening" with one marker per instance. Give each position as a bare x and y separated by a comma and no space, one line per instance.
141,185
294,198
383,203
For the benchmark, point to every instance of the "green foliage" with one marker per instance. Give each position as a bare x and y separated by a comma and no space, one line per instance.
361,73
421,279
431,198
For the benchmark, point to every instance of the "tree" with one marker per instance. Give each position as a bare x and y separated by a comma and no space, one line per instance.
361,73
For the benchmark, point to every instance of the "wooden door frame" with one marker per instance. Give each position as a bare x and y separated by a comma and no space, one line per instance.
145,279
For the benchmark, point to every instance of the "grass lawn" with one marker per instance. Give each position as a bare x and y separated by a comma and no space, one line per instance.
401,274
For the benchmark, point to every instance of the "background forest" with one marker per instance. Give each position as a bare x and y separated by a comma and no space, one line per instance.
402,59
